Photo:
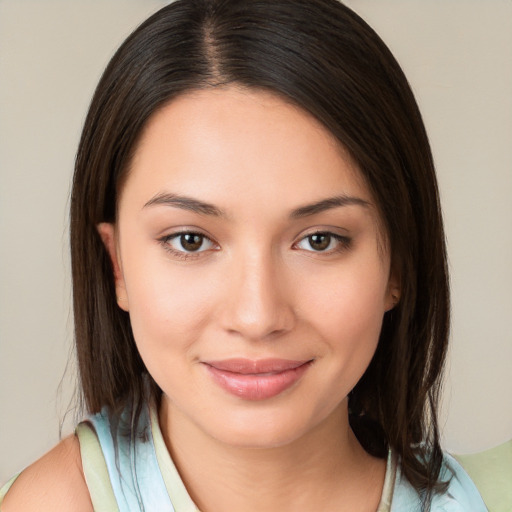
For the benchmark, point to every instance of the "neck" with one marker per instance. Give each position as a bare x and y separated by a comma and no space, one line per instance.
325,469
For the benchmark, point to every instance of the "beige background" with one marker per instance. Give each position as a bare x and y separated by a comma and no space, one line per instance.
457,55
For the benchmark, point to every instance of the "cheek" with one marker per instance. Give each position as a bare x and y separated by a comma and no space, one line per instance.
347,310
168,303
353,298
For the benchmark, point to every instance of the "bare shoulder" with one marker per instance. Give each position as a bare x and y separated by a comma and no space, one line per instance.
53,483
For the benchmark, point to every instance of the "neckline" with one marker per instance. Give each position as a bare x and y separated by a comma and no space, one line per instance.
181,500
178,494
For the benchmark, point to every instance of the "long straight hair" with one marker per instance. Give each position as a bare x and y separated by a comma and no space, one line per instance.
322,57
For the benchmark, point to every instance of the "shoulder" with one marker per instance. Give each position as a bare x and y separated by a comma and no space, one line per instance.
55,482
461,494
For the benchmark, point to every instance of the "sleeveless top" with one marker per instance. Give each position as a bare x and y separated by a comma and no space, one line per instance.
142,476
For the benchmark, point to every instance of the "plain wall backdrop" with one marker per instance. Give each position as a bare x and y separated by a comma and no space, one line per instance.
457,55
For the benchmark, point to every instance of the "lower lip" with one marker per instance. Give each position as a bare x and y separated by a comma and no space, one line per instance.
257,386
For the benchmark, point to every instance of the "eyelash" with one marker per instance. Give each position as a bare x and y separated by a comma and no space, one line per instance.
344,243
183,255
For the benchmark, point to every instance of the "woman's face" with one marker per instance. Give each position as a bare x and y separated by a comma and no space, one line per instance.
248,254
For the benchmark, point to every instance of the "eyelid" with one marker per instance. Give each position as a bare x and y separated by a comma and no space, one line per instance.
165,239
344,241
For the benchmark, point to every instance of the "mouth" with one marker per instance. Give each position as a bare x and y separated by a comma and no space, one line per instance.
256,379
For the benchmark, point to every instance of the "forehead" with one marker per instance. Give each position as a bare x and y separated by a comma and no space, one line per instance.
228,143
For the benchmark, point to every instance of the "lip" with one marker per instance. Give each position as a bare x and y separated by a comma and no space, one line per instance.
256,379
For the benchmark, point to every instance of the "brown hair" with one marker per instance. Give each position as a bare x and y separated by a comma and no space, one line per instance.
321,56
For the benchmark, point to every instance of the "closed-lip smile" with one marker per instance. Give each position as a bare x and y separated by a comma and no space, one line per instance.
256,379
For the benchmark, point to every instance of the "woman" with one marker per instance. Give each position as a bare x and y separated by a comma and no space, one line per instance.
259,275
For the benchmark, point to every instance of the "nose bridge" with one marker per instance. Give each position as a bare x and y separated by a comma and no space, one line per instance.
259,305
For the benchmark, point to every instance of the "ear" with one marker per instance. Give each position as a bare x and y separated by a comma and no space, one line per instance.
393,292
107,233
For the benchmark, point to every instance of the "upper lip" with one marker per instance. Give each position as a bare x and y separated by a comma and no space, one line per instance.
251,366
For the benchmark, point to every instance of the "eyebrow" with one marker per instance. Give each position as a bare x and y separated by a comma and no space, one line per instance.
203,208
328,204
185,203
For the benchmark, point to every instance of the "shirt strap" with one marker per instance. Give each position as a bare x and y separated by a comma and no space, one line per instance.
389,483
95,470
6,487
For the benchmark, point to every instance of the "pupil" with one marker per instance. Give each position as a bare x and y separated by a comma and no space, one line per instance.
191,241
320,241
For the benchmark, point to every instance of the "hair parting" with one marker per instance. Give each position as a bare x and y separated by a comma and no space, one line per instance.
323,58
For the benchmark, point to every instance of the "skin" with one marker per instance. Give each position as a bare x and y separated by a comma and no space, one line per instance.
257,287
55,482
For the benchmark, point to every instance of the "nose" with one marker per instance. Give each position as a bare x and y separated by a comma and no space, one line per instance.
259,305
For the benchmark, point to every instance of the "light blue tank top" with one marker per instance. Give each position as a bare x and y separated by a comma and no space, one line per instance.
145,478
135,475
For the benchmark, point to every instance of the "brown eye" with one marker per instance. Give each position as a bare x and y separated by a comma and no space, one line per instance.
324,242
191,241
319,241
187,242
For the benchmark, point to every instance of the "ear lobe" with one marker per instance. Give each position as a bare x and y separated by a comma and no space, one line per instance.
107,233
394,292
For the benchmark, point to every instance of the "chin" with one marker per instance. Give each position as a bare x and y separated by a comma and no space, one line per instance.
260,439
266,430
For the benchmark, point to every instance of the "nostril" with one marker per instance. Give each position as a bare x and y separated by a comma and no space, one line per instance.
254,321
257,305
